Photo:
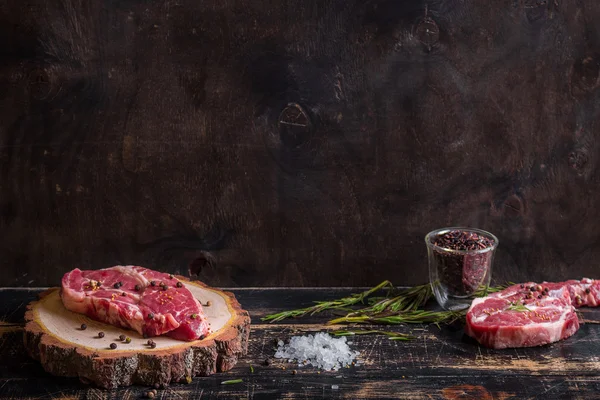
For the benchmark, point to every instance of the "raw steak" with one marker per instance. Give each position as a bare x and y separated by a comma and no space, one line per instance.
585,292
520,317
137,298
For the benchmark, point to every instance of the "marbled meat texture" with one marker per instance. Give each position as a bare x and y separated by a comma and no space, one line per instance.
131,297
530,314
583,293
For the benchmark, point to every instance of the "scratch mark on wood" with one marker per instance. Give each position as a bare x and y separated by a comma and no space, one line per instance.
534,367
5,382
19,307
96,393
7,327
590,321
437,359
171,391
550,389
367,358
262,345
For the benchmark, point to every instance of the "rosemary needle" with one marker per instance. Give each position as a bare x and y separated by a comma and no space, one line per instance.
390,335
406,317
485,290
328,305
518,308
232,381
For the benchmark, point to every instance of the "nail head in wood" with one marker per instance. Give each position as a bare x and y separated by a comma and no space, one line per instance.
295,125
427,32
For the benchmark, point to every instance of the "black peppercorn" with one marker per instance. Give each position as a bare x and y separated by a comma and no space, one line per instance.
540,296
117,285
202,337
137,288
98,284
123,294
532,288
83,327
151,316
165,287
522,286
587,290
150,341
153,283
121,337
113,346
153,345
100,334
179,284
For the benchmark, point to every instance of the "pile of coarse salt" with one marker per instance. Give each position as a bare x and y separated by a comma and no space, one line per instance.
320,350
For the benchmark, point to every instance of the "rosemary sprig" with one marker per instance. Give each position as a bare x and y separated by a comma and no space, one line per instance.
405,317
407,300
390,335
517,307
328,305
405,307
485,290
415,298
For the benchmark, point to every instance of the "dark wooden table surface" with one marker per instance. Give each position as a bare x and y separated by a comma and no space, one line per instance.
440,364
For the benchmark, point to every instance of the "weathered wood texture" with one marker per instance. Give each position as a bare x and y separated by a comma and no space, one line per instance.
440,364
67,351
157,133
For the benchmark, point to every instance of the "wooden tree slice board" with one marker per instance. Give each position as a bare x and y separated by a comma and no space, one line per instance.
53,336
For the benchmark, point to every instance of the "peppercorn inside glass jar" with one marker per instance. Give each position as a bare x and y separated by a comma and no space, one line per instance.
460,264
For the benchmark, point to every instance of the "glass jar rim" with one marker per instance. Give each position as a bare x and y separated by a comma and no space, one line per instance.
441,231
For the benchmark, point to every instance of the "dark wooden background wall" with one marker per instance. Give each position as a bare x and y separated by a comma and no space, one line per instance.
297,142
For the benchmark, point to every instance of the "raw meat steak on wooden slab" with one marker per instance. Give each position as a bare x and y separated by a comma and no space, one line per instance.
150,302
523,315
